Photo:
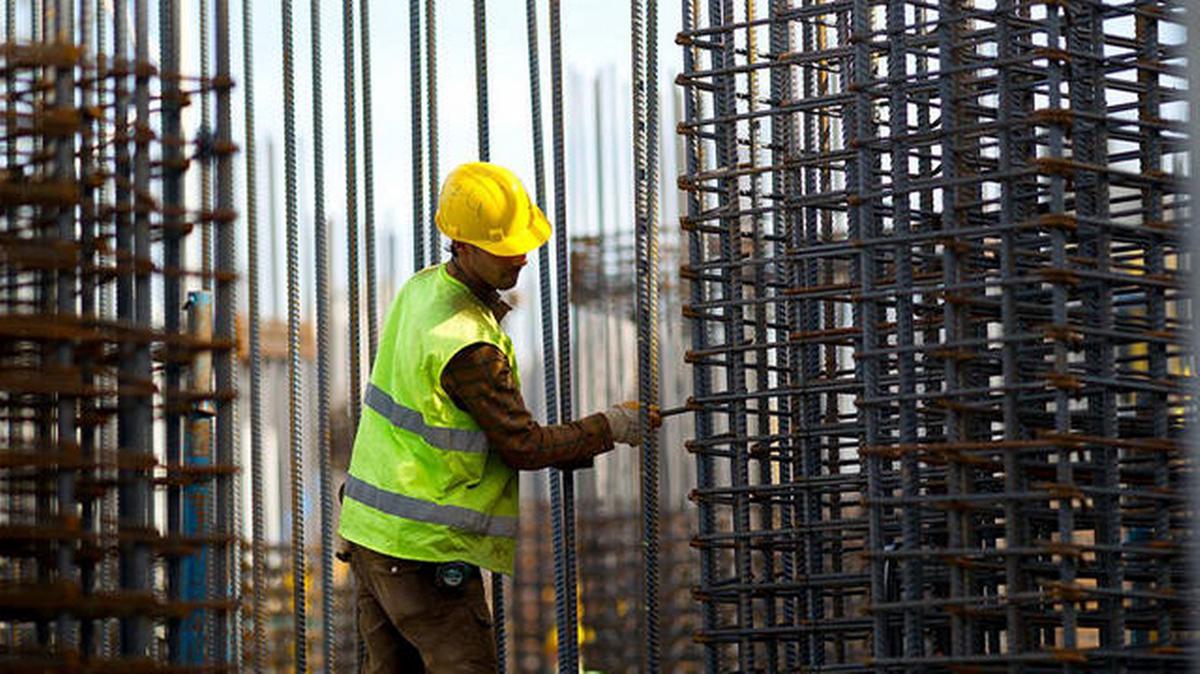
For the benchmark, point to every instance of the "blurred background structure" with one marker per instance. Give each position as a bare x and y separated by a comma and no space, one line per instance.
911,279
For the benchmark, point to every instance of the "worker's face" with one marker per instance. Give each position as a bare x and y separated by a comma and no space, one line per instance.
498,272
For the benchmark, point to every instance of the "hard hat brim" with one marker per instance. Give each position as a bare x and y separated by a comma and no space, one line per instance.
520,243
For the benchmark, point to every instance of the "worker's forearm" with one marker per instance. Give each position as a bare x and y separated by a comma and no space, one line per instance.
561,445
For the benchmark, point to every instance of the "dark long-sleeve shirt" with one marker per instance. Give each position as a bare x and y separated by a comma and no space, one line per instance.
480,381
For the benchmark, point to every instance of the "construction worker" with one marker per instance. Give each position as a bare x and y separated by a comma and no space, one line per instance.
431,495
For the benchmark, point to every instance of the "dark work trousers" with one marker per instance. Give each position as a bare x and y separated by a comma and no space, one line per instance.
410,625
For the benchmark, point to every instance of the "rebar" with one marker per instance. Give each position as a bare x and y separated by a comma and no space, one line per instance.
1192,241
324,384
87,306
483,135
350,93
204,144
644,21
941,311
94,212
940,375
548,324
481,81
224,364
257,505
417,156
169,27
433,184
67,433
136,412
368,151
295,390
568,635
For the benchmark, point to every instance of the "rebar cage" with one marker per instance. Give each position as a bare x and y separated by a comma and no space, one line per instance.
101,353
938,333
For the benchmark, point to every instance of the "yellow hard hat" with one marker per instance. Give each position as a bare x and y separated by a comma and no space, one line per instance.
485,205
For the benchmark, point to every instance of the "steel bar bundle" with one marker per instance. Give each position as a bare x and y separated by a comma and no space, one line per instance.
938,334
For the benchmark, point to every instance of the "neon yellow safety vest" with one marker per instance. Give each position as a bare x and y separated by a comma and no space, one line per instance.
423,483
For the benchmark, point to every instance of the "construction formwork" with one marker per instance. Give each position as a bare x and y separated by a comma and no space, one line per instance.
938,333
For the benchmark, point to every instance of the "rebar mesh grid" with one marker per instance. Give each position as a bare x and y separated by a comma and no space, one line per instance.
938,333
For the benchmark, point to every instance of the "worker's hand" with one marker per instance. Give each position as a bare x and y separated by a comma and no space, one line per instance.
625,423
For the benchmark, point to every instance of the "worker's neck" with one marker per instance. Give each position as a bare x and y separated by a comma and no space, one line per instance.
470,279
482,290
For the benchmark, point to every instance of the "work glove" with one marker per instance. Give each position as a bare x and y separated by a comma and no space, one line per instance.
625,424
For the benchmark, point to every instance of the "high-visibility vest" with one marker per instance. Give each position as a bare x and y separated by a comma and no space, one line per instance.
423,483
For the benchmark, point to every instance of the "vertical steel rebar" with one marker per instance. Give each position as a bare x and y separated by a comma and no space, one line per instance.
135,410
174,215
801,362
701,378
548,324
65,304
224,364
87,307
205,145
482,128
258,552
273,222
732,287
762,294
324,384
907,423
416,133
109,573
644,21
568,650
484,137
368,150
295,389
1192,242
434,182
350,94
1147,34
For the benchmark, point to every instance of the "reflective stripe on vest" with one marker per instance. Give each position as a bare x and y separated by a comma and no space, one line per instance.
411,508
453,439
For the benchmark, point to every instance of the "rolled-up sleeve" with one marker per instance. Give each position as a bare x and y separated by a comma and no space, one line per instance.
480,382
